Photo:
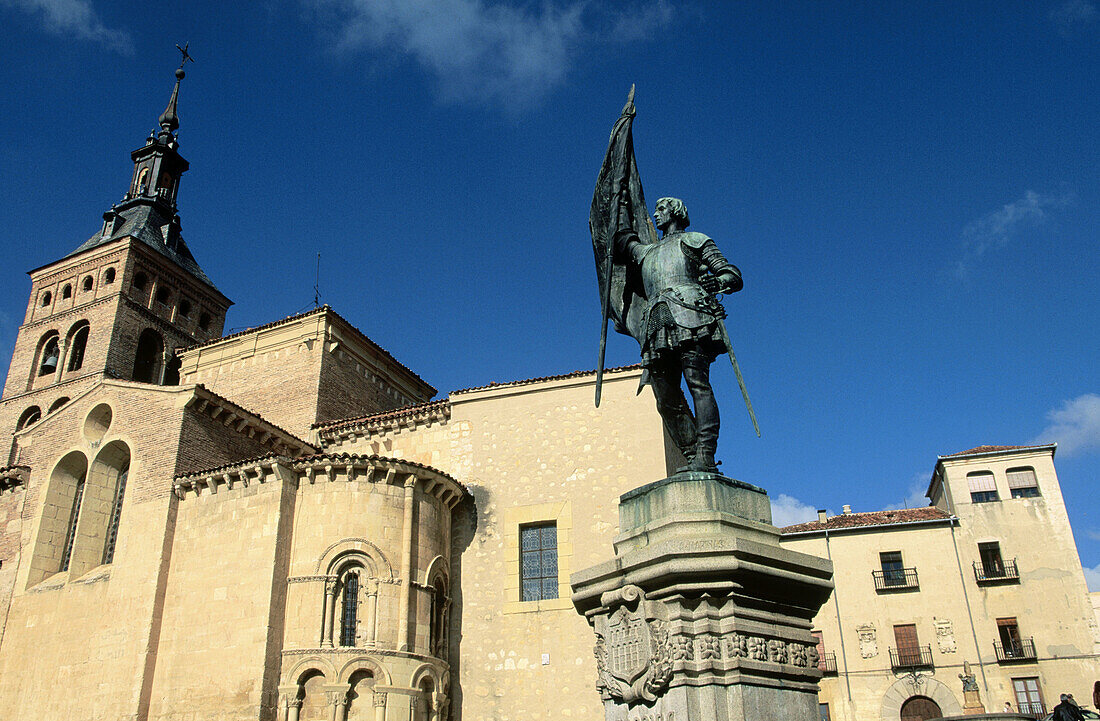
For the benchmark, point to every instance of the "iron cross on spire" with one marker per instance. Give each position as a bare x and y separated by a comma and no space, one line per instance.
186,57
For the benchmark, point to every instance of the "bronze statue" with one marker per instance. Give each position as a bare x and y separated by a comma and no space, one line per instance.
664,293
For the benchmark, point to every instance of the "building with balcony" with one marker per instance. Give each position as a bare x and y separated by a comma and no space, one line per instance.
987,574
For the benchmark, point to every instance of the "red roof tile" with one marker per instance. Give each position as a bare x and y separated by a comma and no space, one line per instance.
989,449
872,518
442,405
542,379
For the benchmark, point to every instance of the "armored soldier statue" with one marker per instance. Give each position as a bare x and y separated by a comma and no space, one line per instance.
680,274
664,293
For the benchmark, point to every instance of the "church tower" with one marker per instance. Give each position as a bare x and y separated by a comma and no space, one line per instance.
123,302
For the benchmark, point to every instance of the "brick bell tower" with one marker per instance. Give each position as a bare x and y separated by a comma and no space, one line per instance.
122,303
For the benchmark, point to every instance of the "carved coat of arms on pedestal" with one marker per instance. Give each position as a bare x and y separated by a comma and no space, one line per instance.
633,653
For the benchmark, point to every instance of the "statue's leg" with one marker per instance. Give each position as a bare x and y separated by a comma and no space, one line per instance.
696,368
665,379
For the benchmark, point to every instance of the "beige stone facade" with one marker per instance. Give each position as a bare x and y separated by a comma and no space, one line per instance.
996,583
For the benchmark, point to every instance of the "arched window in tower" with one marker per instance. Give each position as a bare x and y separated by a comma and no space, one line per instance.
172,370
204,321
57,404
142,182
66,291
74,519
86,284
109,276
29,416
185,307
116,514
147,360
78,343
49,356
140,280
163,295
46,298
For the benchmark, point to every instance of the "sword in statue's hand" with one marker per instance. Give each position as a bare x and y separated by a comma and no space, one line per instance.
711,285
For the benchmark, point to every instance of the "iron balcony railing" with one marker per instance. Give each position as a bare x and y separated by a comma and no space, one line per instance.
1022,650
896,579
827,663
910,659
1001,572
1034,709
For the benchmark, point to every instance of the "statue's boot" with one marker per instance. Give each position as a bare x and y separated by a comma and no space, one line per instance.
674,410
697,375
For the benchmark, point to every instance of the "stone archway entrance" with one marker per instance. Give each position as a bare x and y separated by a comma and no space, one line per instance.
920,708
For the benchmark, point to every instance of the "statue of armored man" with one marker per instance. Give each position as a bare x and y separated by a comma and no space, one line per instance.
664,292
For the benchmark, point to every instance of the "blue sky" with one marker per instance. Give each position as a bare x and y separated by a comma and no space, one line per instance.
910,190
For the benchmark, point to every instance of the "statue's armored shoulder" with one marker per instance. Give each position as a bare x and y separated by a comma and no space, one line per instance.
693,240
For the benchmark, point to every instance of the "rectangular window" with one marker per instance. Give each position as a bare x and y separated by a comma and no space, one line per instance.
538,563
893,570
824,709
983,489
992,563
1029,699
1022,483
1009,632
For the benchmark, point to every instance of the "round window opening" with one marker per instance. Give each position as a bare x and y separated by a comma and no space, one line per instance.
97,423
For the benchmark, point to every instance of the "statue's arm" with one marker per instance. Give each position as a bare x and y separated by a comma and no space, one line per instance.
726,276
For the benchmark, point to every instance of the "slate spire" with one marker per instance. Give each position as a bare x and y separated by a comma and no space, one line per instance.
169,120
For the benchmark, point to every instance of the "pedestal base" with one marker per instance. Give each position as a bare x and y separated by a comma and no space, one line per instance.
701,616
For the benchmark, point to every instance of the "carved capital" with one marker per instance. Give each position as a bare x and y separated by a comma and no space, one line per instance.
379,699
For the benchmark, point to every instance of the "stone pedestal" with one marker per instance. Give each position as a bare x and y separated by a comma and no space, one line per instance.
972,703
701,616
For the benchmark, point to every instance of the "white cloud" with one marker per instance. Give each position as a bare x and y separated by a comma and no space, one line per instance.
1074,13
1094,535
996,229
914,498
485,51
75,19
1075,426
1092,577
787,511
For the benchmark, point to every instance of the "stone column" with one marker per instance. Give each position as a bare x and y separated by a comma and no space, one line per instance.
701,616
293,709
406,566
379,698
337,697
370,631
330,611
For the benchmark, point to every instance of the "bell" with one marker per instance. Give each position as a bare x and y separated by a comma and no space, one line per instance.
50,364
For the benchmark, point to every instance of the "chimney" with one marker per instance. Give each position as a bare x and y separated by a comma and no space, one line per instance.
821,515
847,510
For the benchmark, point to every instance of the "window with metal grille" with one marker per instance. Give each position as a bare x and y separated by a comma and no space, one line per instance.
893,570
351,610
1022,483
116,516
1029,698
74,516
538,562
983,489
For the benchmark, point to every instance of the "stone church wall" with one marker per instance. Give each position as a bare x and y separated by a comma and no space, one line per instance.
224,599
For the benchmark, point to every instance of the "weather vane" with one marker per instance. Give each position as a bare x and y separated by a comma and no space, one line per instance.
186,57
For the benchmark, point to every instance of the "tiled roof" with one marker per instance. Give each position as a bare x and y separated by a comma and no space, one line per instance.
145,222
990,449
371,418
872,518
298,316
542,379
